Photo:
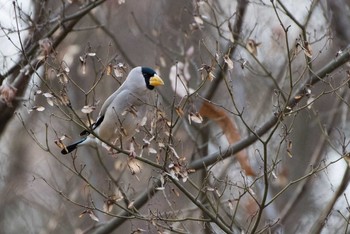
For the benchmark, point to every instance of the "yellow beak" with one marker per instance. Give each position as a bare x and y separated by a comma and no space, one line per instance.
156,81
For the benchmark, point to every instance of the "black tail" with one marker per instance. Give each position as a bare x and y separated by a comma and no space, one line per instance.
72,147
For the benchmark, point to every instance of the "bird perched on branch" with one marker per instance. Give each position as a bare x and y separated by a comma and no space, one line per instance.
123,111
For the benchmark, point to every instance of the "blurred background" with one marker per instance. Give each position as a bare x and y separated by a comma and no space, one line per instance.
249,133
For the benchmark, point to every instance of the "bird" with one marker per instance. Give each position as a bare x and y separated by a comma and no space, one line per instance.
122,112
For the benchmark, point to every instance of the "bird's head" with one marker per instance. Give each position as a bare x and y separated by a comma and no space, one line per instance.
151,78
141,79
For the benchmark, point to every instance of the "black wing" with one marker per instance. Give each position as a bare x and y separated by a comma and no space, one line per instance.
93,126
73,146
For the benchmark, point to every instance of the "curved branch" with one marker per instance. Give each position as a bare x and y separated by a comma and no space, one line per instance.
301,92
22,78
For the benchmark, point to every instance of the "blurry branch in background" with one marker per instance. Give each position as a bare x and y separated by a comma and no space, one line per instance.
235,148
114,40
31,58
231,48
273,120
168,169
301,183
329,207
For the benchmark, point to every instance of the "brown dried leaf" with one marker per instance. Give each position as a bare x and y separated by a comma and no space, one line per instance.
307,49
133,165
179,111
109,70
60,144
252,46
228,61
64,98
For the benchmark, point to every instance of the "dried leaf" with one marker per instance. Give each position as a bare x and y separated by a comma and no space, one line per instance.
63,78
66,69
172,174
49,98
50,101
152,150
91,54
228,61
119,70
88,109
179,111
90,213
211,76
308,91
217,193
64,97
184,176
252,46
109,70
198,20
310,101
209,189
191,170
133,165
307,49
60,144
38,92
298,97
38,108
108,205
195,117
47,95
338,53
131,205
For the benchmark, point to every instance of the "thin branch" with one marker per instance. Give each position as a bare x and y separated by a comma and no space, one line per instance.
273,120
